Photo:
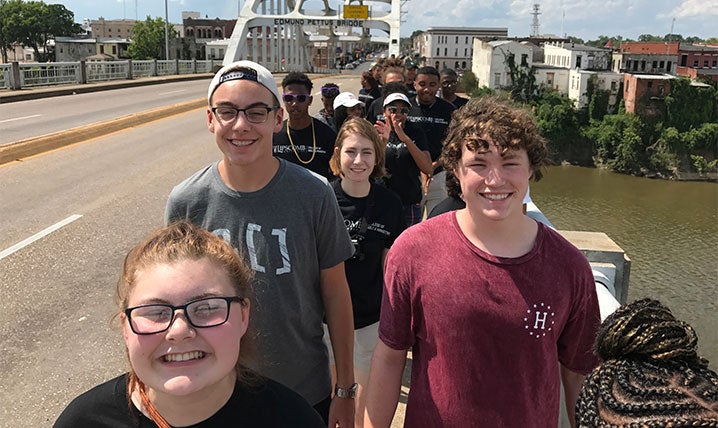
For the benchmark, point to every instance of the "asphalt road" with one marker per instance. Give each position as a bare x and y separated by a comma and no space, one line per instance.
57,337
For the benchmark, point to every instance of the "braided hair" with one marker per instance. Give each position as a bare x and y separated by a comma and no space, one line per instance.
651,376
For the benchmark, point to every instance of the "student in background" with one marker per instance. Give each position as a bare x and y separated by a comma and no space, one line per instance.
374,218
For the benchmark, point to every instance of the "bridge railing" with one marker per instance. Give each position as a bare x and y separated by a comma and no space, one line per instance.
26,75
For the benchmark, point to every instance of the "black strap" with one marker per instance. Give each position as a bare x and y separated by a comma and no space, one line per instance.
364,220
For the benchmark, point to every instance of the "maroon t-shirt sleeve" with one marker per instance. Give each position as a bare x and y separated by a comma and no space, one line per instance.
396,319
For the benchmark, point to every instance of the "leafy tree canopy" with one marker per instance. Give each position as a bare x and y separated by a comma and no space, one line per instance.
34,24
148,39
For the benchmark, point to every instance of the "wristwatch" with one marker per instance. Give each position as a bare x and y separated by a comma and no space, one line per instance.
350,392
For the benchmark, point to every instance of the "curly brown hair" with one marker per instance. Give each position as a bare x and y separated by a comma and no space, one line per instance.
651,376
506,124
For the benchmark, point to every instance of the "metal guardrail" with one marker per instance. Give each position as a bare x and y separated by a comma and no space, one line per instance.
18,76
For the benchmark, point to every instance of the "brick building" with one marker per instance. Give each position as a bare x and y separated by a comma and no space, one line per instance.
646,57
644,94
698,61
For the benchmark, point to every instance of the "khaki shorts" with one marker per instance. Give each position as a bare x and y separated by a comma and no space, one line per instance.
364,343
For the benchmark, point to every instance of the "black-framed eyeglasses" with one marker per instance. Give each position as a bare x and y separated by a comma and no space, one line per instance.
200,313
300,98
330,92
228,114
449,84
395,110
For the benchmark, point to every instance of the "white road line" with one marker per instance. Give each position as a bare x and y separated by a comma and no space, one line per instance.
20,118
38,235
172,92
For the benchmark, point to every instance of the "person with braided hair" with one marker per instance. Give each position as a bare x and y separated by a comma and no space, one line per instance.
651,375
184,301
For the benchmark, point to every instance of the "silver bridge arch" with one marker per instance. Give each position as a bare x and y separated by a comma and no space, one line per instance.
284,35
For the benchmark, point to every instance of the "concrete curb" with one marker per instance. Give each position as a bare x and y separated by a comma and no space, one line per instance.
33,146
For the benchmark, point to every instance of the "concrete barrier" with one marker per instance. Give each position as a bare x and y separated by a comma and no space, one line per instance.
33,146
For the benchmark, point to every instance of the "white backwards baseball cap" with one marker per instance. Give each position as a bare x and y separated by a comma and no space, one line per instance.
346,99
396,96
244,70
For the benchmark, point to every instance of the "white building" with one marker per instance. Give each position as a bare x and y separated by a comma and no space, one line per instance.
489,61
452,47
570,55
555,78
606,80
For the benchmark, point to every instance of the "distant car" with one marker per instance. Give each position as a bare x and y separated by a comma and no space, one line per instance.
349,66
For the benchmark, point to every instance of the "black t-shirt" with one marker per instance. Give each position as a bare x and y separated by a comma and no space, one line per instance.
375,111
448,204
269,404
434,119
402,171
368,96
372,229
459,101
303,144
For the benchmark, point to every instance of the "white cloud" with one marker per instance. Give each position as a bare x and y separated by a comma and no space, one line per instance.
694,8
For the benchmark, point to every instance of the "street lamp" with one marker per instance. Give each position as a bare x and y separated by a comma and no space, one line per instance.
167,34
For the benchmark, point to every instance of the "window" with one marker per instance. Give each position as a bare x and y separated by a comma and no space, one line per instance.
549,79
695,63
438,50
446,51
661,64
578,61
466,52
467,40
643,65
650,86
524,60
668,66
613,86
660,89
715,63
456,52
684,60
221,53
102,49
705,64
457,40
114,50
497,80
655,64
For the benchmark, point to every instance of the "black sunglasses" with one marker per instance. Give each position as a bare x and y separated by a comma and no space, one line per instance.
300,98
330,92
394,110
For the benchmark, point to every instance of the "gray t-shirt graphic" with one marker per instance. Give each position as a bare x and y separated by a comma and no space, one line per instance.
288,231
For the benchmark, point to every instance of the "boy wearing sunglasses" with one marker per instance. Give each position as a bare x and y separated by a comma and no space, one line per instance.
407,154
303,139
326,114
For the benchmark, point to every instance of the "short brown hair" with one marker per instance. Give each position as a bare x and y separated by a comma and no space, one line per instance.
509,126
362,127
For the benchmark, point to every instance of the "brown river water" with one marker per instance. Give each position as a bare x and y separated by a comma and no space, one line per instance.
668,229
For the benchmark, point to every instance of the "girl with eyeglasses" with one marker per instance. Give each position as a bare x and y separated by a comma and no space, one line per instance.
184,303
407,154
374,219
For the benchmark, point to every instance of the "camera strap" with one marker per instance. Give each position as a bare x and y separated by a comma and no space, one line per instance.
364,220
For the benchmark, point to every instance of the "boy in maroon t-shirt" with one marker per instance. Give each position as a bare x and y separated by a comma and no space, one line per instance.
496,308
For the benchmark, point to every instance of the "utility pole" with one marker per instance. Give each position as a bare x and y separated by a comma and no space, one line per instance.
167,34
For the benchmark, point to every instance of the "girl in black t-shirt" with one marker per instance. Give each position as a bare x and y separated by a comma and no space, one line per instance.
373,217
184,299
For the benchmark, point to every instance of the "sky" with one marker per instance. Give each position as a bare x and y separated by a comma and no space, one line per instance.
587,19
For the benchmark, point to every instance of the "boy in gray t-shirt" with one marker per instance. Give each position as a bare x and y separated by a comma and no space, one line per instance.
287,224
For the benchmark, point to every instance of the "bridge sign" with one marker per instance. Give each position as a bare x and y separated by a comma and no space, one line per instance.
356,12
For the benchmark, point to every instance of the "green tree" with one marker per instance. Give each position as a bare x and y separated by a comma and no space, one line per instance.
522,86
557,122
712,40
37,23
468,82
690,106
9,17
148,39
649,38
